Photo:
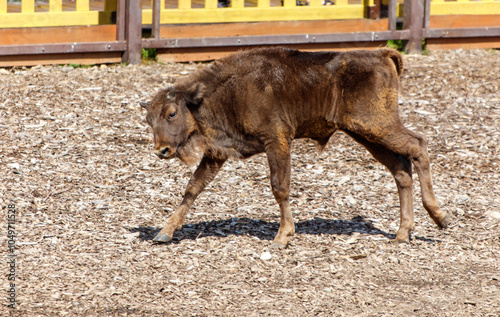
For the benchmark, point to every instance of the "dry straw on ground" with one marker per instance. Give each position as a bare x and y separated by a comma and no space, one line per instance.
76,160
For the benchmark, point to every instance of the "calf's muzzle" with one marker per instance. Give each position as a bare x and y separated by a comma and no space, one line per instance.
163,152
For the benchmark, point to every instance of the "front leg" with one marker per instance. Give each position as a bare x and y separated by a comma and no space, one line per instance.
204,174
278,156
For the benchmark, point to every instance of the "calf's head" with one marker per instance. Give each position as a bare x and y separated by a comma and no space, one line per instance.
170,115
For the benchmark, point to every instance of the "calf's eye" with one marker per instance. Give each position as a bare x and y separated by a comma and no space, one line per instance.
172,115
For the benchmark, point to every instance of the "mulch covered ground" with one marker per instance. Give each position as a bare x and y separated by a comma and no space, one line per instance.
76,161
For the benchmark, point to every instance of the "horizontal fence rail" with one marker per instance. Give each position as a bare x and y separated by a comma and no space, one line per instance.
277,39
62,48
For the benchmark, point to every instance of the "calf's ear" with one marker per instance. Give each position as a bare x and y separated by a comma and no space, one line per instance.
195,94
145,105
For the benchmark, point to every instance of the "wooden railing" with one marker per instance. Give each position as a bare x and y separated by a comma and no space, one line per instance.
28,13
262,10
31,13
465,7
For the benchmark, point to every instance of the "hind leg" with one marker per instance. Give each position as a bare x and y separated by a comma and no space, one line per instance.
417,148
400,168
413,147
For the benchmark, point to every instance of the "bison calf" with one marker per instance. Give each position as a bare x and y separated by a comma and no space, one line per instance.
260,100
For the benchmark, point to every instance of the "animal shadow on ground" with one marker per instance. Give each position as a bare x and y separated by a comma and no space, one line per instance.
265,230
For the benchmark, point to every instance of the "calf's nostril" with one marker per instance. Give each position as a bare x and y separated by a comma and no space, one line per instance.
164,151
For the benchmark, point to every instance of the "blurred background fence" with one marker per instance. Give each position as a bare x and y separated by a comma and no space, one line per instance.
108,31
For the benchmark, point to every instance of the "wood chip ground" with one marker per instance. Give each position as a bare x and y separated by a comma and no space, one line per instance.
76,160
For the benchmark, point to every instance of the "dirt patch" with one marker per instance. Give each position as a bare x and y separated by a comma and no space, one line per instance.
76,160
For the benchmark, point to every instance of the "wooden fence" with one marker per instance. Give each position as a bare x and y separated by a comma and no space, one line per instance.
96,31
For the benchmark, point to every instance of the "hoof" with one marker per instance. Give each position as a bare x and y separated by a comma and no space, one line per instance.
402,237
443,224
400,241
278,245
162,238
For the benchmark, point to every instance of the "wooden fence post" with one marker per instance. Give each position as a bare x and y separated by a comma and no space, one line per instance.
133,32
374,11
156,19
120,20
414,20
392,14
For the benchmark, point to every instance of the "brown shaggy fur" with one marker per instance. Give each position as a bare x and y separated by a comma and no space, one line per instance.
260,100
